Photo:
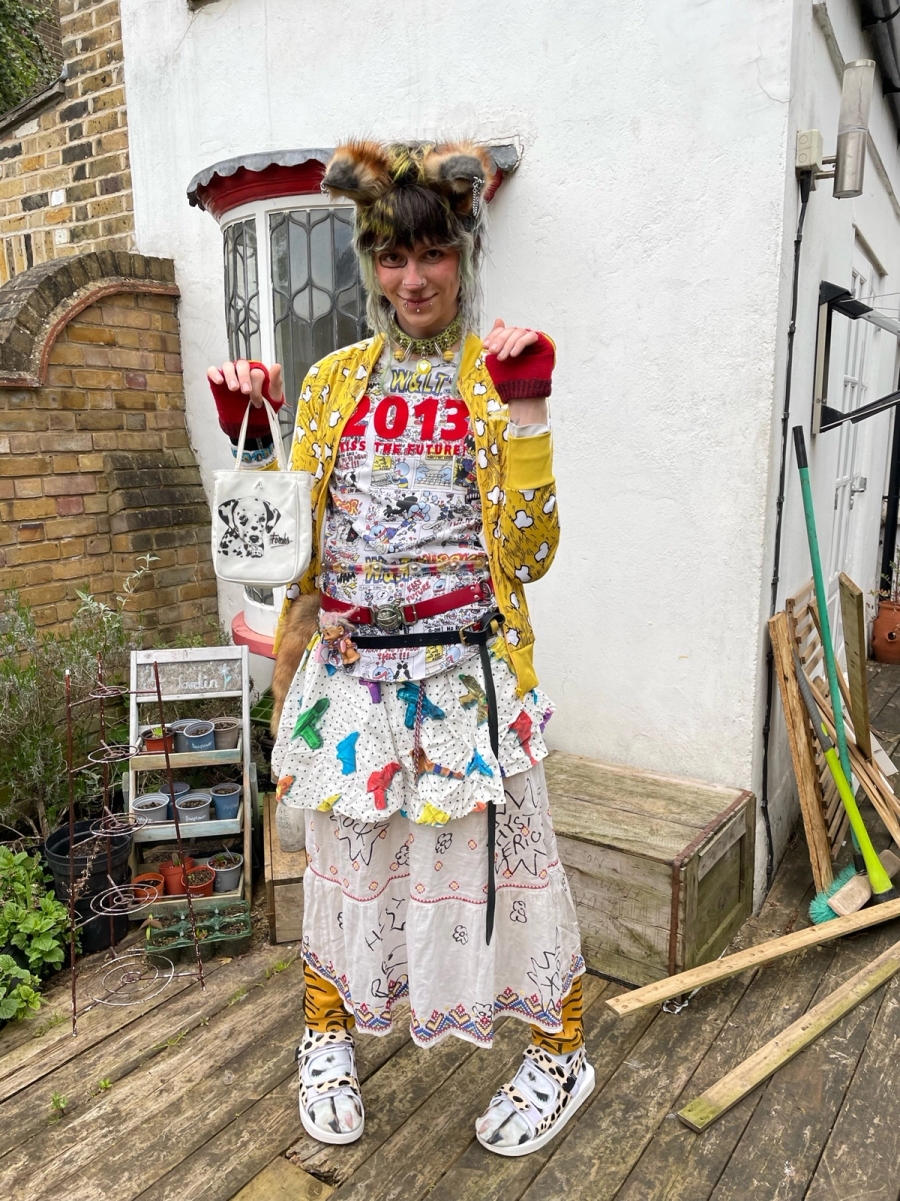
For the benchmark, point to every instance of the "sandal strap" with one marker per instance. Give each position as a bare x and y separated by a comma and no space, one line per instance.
563,1078
316,1044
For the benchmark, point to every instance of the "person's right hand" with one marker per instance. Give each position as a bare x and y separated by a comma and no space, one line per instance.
239,376
234,384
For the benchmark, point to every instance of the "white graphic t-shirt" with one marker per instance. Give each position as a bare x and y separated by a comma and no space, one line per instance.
404,514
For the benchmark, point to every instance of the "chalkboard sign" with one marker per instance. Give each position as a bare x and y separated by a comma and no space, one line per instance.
189,677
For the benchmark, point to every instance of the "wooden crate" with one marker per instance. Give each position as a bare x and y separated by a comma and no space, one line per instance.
284,881
661,868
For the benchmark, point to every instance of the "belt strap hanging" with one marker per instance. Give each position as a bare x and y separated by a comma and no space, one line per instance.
494,735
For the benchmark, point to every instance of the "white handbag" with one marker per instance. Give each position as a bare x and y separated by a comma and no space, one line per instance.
261,520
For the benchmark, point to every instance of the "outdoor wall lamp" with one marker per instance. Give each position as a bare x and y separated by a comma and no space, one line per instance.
849,158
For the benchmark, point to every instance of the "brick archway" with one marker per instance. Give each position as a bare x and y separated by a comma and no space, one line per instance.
96,468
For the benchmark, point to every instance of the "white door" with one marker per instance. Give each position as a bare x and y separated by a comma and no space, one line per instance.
851,478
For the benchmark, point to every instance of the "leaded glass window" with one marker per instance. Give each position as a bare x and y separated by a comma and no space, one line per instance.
318,297
242,290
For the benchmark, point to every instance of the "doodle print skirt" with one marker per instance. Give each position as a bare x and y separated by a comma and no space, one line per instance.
395,908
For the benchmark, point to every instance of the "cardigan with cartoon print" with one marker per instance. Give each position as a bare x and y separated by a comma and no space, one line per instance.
514,477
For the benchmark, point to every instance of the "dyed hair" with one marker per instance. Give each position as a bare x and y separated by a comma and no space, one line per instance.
408,193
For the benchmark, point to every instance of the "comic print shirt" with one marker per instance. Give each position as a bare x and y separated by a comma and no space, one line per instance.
404,518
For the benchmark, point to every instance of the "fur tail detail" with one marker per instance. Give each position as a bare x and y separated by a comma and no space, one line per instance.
300,626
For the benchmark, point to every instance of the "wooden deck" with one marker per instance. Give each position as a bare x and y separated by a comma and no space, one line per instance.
202,1101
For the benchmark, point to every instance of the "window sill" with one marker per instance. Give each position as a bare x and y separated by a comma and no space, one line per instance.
34,104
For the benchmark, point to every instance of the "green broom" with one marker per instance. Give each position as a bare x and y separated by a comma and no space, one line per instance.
838,761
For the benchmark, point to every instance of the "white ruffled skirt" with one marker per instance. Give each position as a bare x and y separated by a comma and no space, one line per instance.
396,909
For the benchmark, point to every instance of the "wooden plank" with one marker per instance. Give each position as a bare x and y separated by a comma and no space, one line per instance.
863,1149
32,1061
643,836
767,952
689,803
797,722
478,1175
796,1109
113,1122
676,1164
598,1155
698,1114
266,1128
282,1180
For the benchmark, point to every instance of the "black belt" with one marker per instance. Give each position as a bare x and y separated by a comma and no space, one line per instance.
479,633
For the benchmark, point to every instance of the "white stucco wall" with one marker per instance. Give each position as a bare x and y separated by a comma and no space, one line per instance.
831,230
644,230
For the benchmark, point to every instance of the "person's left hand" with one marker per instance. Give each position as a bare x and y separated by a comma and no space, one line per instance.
507,341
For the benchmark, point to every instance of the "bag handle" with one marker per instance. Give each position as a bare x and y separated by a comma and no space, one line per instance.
276,438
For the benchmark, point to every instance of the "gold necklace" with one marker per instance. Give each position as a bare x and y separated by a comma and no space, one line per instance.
404,344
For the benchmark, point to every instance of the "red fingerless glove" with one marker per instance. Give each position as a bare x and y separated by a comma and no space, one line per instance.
231,407
526,375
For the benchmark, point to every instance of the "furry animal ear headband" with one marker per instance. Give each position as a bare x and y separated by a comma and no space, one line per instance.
375,176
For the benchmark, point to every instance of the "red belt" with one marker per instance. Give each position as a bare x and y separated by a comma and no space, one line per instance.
393,616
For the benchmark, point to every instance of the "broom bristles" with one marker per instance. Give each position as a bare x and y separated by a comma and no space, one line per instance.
819,909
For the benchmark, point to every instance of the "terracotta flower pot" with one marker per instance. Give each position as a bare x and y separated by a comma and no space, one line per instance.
149,886
200,881
156,740
886,633
174,875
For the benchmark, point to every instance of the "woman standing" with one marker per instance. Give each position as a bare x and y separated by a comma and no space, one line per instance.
412,732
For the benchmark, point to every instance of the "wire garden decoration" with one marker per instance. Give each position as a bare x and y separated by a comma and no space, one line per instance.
128,977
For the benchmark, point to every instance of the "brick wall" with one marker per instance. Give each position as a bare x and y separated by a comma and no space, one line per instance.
65,185
95,465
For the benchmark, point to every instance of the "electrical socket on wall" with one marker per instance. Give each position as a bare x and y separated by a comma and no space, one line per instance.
810,148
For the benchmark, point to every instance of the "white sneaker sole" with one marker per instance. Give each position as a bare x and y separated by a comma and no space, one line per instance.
329,1136
585,1089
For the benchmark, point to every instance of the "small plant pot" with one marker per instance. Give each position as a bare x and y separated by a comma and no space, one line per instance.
179,788
227,801
200,881
227,732
227,867
153,807
886,633
177,728
155,741
173,874
149,886
200,736
193,807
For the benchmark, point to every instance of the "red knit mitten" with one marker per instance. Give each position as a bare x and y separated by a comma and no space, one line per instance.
232,406
525,376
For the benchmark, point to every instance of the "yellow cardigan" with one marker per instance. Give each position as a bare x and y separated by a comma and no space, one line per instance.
515,479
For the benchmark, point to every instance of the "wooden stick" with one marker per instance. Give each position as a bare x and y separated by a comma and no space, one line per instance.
765,952
725,1093
808,785
853,619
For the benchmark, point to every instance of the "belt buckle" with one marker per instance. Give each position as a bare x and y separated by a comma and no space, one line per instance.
388,617
472,627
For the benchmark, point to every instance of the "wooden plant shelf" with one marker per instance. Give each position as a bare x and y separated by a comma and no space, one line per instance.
157,831
157,760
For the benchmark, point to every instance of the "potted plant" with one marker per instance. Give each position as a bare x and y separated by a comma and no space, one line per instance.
156,739
227,865
148,886
172,871
886,627
227,732
227,801
200,881
200,736
153,807
193,807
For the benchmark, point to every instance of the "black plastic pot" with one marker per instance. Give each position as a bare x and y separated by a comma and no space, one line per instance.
56,852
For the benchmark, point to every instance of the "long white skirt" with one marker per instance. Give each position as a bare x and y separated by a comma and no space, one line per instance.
397,908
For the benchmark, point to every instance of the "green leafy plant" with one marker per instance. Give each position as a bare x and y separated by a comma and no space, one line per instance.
32,920
19,993
58,1105
104,1084
25,62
